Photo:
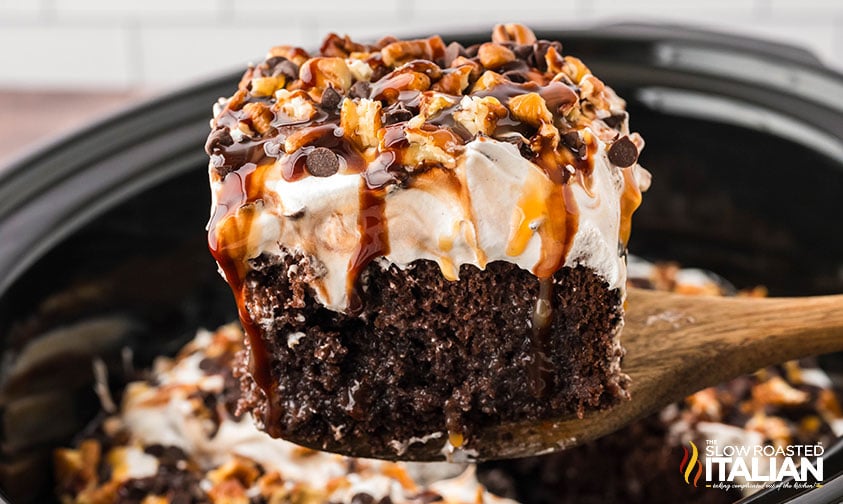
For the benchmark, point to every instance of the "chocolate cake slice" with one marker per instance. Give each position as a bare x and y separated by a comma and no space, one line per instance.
424,239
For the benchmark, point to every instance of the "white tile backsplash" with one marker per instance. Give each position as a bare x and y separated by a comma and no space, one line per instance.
109,9
64,57
17,9
163,43
177,54
324,8
529,8
657,7
363,28
809,7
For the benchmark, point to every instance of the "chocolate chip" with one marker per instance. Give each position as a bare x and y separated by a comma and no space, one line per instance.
379,72
362,498
218,139
135,489
360,89
208,364
322,162
574,142
168,456
623,152
279,65
616,120
428,496
330,99
396,113
156,450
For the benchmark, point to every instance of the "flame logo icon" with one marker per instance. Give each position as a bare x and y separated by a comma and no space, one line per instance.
686,467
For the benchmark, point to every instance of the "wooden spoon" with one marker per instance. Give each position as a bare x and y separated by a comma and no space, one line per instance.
675,345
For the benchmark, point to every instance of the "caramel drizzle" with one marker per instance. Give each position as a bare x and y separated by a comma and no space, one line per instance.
559,219
539,369
228,236
443,183
630,200
374,240
551,211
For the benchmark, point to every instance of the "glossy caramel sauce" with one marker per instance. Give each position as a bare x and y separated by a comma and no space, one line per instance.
630,200
374,240
230,227
539,368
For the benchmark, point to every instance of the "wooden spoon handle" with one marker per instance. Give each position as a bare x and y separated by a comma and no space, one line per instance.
717,338
677,345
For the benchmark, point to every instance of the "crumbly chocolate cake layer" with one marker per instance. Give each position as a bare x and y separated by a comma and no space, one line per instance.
427,355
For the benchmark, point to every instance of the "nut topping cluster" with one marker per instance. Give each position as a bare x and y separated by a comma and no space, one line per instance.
408,105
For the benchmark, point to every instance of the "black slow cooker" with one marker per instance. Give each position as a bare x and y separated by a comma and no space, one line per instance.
103,255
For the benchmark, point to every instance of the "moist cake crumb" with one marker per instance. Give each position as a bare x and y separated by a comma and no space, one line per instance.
427,353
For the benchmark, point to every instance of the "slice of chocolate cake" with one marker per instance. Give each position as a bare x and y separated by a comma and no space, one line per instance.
423,238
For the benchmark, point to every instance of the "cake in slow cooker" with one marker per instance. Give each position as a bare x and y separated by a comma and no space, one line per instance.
178,439
424,238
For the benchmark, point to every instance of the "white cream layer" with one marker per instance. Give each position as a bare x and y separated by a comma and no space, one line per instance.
433,220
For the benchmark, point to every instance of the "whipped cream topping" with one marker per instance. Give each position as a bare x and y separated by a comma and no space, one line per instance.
410,150
490,207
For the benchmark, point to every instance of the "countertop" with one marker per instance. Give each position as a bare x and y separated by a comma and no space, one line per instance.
32,118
